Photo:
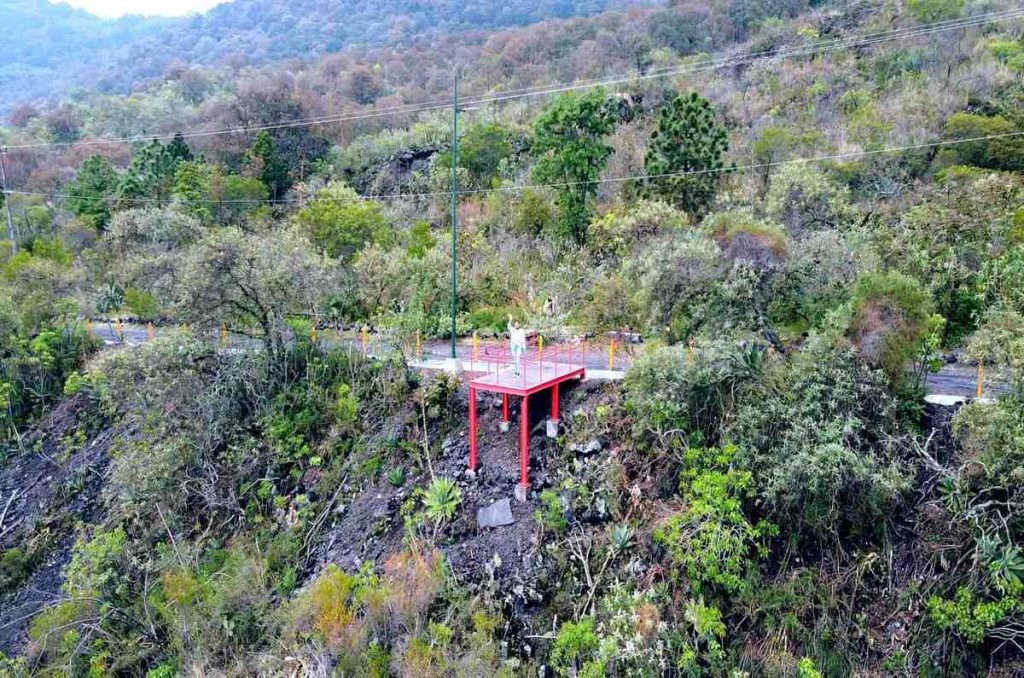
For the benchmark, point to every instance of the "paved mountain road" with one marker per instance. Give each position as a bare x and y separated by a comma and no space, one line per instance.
951,380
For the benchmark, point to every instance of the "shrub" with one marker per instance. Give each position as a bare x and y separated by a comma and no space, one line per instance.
575,644
890,321
967,616
710,539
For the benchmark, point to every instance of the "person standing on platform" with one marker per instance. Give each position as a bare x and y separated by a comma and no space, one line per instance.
517,339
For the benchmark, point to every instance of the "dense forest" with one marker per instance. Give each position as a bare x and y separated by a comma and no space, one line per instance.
58,49
804,209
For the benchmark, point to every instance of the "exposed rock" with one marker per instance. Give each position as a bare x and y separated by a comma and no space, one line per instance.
497,514
590,447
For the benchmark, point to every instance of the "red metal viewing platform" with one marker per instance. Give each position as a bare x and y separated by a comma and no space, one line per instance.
538,370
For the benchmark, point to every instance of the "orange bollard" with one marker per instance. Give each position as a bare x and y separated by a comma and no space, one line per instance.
88,326
611,355
419,346
223,334
981,377
365,338
150,332
476,346
689,354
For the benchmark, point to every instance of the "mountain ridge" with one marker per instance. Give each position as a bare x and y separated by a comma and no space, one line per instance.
59,48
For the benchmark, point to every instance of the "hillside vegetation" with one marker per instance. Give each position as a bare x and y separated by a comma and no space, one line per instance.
801,236
53,49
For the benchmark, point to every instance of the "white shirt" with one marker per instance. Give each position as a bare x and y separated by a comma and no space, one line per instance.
518,337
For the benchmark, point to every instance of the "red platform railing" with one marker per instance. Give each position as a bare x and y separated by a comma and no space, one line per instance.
498,358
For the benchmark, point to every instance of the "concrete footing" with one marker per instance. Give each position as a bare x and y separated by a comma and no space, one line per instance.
553,428
521,492
503,426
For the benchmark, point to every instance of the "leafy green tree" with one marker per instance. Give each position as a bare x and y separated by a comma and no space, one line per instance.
481,151
265,163
192,189
340,223
91,192
251,280
1005,153
930,11
688,144
569,143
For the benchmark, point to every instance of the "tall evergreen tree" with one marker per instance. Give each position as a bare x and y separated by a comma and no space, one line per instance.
93,187
688,145
569,140
266,164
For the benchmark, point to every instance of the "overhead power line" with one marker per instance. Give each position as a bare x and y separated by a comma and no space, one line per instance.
709,64
566,184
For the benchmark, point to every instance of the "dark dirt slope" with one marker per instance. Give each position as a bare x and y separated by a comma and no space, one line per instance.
45,492
371,527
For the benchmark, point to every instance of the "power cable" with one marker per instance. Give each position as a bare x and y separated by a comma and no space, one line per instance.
565,184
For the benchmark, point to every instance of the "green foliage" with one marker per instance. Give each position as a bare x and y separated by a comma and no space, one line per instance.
1004,153
710,538
672,396
441,499
967,616
552,512
33,370
340,223
571,151
264,162
1000,341
805,199
930,11
689,144
151,174
575,643
92,190
482,148
891,314
143,305
702,646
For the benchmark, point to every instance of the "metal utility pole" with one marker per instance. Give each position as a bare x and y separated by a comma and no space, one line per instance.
455,204
7,200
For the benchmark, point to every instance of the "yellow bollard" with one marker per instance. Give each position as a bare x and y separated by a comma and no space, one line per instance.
611,355
981,377
689,354
313,334
419,349
150,332
88,326
540,344
366,337
119,329
476,346
223,334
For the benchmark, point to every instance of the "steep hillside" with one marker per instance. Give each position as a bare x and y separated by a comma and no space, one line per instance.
51,49
787,214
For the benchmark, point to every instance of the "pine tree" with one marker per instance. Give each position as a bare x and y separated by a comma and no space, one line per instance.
267,165
688,144
93,187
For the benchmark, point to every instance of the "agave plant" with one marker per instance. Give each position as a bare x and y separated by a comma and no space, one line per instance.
441,499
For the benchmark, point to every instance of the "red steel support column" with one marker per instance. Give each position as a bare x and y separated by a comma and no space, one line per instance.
472,429
524,444
554,403
504,408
